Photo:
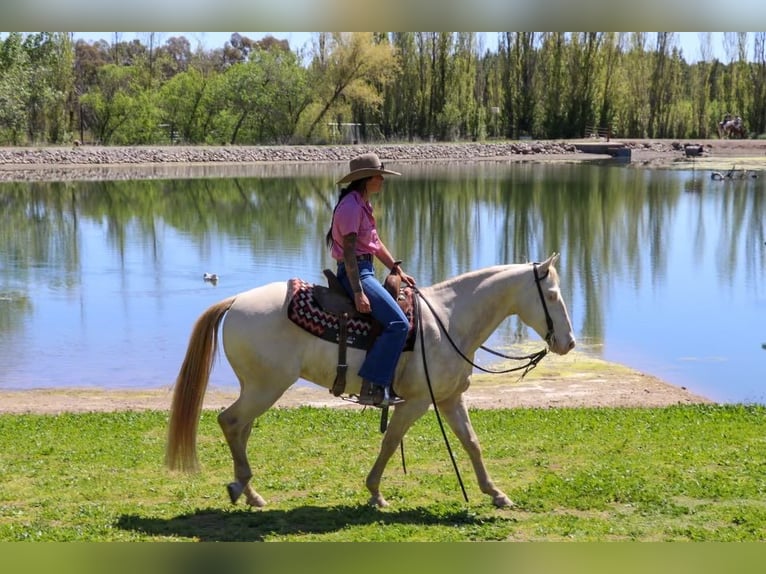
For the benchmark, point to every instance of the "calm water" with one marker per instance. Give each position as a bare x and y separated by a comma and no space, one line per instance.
663,270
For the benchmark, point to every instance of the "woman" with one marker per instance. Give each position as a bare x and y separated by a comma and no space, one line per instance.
354,242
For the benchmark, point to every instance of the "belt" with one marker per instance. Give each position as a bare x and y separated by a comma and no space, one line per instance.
365,257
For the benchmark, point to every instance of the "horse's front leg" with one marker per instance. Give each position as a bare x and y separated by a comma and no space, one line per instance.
404,415
456,413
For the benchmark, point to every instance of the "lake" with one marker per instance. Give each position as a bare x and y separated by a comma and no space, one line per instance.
662,269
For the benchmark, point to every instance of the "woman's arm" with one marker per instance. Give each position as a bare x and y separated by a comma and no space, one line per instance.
361,302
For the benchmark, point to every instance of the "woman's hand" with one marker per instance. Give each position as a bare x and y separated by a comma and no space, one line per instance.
397,270
361,302
408,279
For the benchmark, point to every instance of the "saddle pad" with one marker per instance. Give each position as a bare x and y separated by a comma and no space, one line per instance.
304,311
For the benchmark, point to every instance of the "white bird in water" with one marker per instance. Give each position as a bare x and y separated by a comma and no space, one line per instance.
210,278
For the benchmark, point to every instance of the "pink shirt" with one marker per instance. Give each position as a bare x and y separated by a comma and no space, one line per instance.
354,215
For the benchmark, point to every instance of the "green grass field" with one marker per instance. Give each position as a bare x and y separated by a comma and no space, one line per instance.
678,473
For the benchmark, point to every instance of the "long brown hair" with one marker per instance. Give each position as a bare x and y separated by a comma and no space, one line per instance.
356,185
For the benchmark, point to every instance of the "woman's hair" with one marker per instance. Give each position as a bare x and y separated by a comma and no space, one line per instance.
356,185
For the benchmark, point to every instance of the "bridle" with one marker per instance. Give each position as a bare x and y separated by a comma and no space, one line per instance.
548,320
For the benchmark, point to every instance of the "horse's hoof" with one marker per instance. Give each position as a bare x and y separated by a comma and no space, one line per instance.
256,500
502,501
235,491
378,501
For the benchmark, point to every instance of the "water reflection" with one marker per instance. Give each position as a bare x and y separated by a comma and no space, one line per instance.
663,270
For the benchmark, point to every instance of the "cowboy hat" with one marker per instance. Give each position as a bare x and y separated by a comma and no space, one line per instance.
365,165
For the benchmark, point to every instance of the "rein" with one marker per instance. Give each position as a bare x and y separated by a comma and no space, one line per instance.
532,360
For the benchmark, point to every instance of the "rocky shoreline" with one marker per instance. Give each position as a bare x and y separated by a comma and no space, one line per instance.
149,162
96,163
87,155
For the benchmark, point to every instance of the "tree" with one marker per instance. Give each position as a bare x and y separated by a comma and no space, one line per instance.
15,74
346,69
583,69
660,87
757,118
181,103
119,110
700,80
402,102
519,61
49,96
610,56
285,93
459,117
635,109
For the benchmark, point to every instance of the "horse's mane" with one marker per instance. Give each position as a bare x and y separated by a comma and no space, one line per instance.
478,275
467,276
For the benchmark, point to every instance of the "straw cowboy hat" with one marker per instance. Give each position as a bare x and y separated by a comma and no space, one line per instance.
365,165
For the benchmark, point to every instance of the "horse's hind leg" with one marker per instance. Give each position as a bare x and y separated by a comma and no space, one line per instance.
237,422
456,413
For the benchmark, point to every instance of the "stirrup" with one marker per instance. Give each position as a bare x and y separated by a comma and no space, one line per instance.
373,395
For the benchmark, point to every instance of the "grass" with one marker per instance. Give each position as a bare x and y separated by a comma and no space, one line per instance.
678,473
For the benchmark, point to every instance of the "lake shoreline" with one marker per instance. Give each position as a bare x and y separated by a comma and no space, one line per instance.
101,163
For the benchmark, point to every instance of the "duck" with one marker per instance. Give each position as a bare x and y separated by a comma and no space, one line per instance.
210,278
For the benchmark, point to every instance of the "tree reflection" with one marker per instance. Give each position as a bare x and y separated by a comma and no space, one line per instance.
609,223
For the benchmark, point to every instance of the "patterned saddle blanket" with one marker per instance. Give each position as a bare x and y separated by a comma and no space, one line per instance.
305,310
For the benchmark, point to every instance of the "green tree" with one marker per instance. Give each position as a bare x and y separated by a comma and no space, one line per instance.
15,74
757,118
119,110
50,91
635,108
287,96
552,62
460,116
582,71
699,81
181,103
610,62
346,70
402,101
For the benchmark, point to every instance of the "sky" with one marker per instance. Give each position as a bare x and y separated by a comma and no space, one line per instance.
689,42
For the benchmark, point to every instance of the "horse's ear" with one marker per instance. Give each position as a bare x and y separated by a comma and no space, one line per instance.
554,257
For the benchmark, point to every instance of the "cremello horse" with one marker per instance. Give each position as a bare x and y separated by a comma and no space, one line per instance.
269,353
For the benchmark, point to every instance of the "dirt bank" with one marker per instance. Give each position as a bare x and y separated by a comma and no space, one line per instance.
576,380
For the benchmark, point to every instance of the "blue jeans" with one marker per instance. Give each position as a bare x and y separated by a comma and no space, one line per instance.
379,366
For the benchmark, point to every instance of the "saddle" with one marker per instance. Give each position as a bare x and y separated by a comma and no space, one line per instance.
329,313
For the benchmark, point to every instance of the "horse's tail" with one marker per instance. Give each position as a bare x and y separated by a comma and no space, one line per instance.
190,386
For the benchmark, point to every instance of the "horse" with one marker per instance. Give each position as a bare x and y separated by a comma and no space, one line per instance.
731,127
268,353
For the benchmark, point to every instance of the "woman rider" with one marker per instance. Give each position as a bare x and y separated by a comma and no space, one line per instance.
354,242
